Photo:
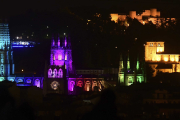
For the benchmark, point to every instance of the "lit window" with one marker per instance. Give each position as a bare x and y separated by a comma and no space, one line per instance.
143,22
54,57
165,59
152,44
160,50
27,36
158,44
65,66
172,59
47,26
59,57
66,56
17,37
64,33
157,50
158,59
47,35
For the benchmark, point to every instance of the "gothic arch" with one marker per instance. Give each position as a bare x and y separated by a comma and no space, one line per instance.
94,84
37,83
54,73
49,73
80,83
87,85
72,83
28,81
60,75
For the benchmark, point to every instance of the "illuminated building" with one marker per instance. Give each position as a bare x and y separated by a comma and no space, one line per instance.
159,60
60,77
23,44
148,15
6,53
126,76
7,63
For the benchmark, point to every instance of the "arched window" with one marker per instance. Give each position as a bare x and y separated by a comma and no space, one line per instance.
87,85
54,58
28,81
37,83
20,80
94,84
66,56
80,83
72,83
50,73
54,73
59,57
60,73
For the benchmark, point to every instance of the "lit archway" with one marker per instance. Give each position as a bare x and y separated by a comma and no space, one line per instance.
50,73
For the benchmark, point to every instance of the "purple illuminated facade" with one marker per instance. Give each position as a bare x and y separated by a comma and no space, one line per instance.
61,54
60,76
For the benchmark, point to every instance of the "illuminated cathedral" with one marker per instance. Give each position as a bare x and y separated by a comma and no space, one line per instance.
130,74
60,76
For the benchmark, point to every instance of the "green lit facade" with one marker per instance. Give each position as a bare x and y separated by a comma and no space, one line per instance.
128,76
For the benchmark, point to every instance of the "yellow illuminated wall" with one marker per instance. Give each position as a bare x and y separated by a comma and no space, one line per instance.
154,54
151,50
151,15
114,17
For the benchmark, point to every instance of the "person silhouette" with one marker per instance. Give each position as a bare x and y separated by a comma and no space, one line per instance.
105,108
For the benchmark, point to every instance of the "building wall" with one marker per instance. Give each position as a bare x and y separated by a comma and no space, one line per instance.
148,15
154,54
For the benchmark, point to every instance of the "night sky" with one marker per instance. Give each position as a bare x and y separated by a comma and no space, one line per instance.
11,7
33,58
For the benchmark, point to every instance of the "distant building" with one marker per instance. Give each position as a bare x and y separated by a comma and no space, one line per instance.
128,76
148,15
159,60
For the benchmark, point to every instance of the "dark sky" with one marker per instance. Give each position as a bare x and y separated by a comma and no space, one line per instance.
14,7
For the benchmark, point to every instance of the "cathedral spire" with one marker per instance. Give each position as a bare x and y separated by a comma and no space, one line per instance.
128,62
137,65
65,42
121,63
59,41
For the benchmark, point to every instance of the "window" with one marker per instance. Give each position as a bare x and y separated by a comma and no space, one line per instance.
28,81
158,44
66,56
53,57
50,73
59,57
60,73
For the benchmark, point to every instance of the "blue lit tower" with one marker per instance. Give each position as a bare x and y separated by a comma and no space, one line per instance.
6,53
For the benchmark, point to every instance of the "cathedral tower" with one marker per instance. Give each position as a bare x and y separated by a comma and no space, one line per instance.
126,76
60,65
6,53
